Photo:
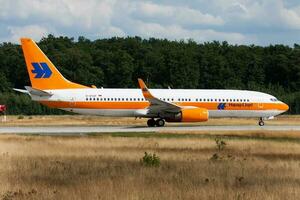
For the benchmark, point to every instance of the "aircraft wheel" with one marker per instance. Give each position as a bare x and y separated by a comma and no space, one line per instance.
261,122
160,122
151,123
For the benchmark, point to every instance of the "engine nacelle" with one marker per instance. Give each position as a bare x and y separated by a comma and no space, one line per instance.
190,115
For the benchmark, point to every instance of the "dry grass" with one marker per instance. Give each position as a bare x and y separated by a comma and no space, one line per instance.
106,167
54,120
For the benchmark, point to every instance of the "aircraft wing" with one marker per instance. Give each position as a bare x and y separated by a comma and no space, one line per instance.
156,105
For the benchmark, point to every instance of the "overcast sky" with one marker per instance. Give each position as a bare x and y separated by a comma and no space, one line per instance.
260,22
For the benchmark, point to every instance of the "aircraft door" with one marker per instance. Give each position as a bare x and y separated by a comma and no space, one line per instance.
72,103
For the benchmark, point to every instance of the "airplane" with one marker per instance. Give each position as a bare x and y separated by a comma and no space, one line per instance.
50,88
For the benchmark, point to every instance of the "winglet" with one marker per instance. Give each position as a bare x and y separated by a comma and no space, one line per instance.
144,89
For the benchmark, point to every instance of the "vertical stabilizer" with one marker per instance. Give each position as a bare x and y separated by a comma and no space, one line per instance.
43,74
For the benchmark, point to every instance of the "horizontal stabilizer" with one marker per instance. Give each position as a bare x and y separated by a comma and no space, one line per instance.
20,90
32,91
37,92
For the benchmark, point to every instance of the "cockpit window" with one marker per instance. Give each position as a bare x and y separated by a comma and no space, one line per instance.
274,99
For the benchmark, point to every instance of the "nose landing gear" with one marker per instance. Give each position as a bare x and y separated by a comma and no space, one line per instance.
152,122
261,122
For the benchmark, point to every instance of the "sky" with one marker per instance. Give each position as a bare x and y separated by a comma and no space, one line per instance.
259,22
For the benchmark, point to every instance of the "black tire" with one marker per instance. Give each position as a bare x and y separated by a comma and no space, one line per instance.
261,123
151,123
160,122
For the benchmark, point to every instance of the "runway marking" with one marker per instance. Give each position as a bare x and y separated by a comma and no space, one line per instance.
58,130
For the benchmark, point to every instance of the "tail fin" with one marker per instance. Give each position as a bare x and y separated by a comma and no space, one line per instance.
42,72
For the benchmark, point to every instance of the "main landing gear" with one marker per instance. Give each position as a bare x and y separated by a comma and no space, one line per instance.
261,122
159,122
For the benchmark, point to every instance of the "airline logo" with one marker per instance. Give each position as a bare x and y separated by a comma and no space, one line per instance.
221,106
41,70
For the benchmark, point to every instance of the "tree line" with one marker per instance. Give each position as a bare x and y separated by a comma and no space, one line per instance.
118,62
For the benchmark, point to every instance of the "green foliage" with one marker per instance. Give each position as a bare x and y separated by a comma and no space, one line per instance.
118,62
150,160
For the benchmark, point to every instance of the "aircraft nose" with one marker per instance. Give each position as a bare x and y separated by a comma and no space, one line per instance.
285,107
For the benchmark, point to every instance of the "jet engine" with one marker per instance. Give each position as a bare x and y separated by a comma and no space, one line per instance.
190,115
